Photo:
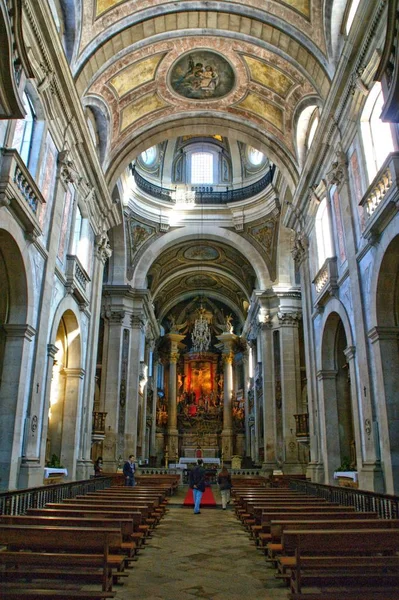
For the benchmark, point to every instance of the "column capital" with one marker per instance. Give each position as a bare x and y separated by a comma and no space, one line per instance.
52,350
228,358
289,318
73,372
18,330
326,374
350,352
377,334
173,357
103,247
137,320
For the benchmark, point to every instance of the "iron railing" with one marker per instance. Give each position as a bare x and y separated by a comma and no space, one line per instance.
205,194
386,507
17,502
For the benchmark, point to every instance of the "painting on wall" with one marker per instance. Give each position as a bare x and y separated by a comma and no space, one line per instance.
202,75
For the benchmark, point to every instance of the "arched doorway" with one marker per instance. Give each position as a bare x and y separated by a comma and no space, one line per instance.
385,339
63,417
336,413
15,337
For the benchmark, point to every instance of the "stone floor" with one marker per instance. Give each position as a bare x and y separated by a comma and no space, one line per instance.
200,556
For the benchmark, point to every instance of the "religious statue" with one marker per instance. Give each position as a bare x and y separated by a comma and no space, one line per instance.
228,325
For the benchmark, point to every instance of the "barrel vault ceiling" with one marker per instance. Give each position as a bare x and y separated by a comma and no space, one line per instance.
126,52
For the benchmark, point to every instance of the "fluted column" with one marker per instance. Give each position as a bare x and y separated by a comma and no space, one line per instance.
227,433
173,439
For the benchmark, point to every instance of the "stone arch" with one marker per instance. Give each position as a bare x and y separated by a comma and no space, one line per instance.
336,410
102,119
384,335
211,233
15,338
179,126
65,391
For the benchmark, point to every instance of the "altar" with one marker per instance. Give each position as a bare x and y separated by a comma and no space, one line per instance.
184,461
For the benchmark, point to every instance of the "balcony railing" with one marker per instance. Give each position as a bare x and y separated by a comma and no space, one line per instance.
77,280
381,199
204,194
325,281
19,192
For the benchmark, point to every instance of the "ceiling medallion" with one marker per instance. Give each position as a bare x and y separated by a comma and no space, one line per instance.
202,75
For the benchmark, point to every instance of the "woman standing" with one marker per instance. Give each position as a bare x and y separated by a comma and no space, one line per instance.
225,485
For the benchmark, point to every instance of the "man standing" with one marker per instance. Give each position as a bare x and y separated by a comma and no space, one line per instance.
197,484
129,469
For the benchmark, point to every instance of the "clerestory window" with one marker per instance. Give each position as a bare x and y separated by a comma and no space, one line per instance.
201,168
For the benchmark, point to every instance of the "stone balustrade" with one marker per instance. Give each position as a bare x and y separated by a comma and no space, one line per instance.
19,193
381,200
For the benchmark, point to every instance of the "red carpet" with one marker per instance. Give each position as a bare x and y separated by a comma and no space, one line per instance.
207,500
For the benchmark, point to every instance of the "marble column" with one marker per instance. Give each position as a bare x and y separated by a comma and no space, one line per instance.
269,412
71,421
290,386
370,474
329,424
173,434
114,384
315,469
132,400
246,359
153,445
227,433
16,356
101,255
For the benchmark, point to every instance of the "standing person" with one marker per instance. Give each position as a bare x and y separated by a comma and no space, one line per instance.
225,485
98,466
197,484
129,469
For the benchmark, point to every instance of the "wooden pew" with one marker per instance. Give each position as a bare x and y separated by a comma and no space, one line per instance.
353,558
56,554
264,536
277,528
128,546
150,517
16,593
140,530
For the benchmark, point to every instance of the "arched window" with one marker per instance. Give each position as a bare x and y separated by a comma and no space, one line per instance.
323,235
350,13
255,157
376,135
77,231
201,168
24,131
306,127
148,156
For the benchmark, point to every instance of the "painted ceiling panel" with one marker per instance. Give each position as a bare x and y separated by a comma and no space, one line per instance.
141,107
135,75
268,76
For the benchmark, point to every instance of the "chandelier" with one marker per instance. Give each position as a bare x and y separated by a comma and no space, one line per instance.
201,336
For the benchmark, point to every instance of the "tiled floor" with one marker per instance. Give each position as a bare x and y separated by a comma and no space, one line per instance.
200,556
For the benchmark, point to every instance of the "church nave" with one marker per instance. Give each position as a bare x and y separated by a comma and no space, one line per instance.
206,556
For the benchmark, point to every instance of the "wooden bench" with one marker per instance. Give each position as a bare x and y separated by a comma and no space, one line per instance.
129,545
264,536
357,558
277,528
56,554
140,530
16,593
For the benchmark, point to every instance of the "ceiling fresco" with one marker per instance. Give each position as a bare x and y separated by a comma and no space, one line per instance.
211,267
151,64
